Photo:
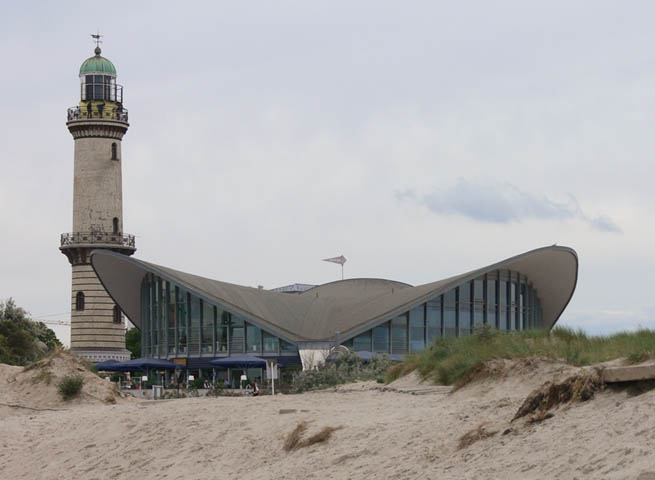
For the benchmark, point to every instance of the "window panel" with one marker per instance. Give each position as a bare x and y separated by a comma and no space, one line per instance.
154,315
492,284
502,303
465,309
253,339
145,313
362,342
381,338
271,343
207,332
434,319
182,320
512,307
478,290
171,319
288,347
399,335
417,329
194,332
237,335
450,313
222,325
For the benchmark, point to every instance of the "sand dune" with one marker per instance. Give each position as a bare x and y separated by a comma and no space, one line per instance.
35,387
385,434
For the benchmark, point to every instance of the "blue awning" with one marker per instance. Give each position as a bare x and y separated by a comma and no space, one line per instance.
138,364
106,363
239,361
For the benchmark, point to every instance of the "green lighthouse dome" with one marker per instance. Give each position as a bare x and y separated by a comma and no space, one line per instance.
97,64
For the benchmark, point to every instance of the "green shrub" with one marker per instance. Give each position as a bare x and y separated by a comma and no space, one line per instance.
346,368
197,383
70,386
448,359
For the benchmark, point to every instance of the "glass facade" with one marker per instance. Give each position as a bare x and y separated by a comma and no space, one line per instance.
179,324
176,323
502,299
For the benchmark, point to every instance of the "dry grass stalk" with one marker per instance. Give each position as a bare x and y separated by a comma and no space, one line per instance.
540,417
481,371
577,388
44,376
295,441
479,433
322,436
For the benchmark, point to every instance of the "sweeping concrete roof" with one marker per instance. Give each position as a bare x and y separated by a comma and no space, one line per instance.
348,307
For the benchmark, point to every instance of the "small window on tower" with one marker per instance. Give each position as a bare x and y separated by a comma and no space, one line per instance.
115,225
117,314
79,301
114,151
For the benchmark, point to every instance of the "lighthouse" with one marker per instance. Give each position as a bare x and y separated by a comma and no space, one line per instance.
97,124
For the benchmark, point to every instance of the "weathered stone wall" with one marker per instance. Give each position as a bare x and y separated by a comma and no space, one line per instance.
97,189
93,328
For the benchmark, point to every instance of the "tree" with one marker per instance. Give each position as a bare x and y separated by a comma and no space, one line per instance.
133,342
21,337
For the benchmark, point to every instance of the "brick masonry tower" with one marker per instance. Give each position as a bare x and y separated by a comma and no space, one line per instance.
97,125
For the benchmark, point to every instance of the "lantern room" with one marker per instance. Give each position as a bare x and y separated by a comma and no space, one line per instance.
98,80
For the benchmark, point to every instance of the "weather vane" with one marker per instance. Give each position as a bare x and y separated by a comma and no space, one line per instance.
96,37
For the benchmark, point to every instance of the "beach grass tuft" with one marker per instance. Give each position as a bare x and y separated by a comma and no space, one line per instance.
70,386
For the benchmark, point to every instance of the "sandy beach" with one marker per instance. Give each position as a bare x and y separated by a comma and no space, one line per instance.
385,434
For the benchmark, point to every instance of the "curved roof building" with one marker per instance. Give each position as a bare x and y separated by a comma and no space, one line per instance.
184,316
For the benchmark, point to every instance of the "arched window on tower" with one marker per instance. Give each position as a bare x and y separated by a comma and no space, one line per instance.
117,314
79,301
115,225
114,151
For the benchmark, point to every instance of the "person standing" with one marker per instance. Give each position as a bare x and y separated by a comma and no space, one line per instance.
255,389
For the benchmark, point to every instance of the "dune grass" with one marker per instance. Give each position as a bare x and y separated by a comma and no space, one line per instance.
70,386
448,359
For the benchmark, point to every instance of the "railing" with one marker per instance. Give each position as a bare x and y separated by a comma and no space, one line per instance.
98,111
103,89
77,238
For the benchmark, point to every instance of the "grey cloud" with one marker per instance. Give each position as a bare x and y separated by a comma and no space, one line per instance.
503,203
604,224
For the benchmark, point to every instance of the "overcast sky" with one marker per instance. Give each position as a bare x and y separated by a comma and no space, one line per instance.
418,139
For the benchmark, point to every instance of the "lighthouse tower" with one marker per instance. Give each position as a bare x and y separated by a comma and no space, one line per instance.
97,125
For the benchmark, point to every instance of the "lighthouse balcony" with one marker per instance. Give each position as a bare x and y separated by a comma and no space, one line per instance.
94,111
98,240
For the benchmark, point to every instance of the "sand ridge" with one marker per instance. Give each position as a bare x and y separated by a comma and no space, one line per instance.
384,435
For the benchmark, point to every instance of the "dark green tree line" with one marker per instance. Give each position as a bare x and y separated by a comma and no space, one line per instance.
23,340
